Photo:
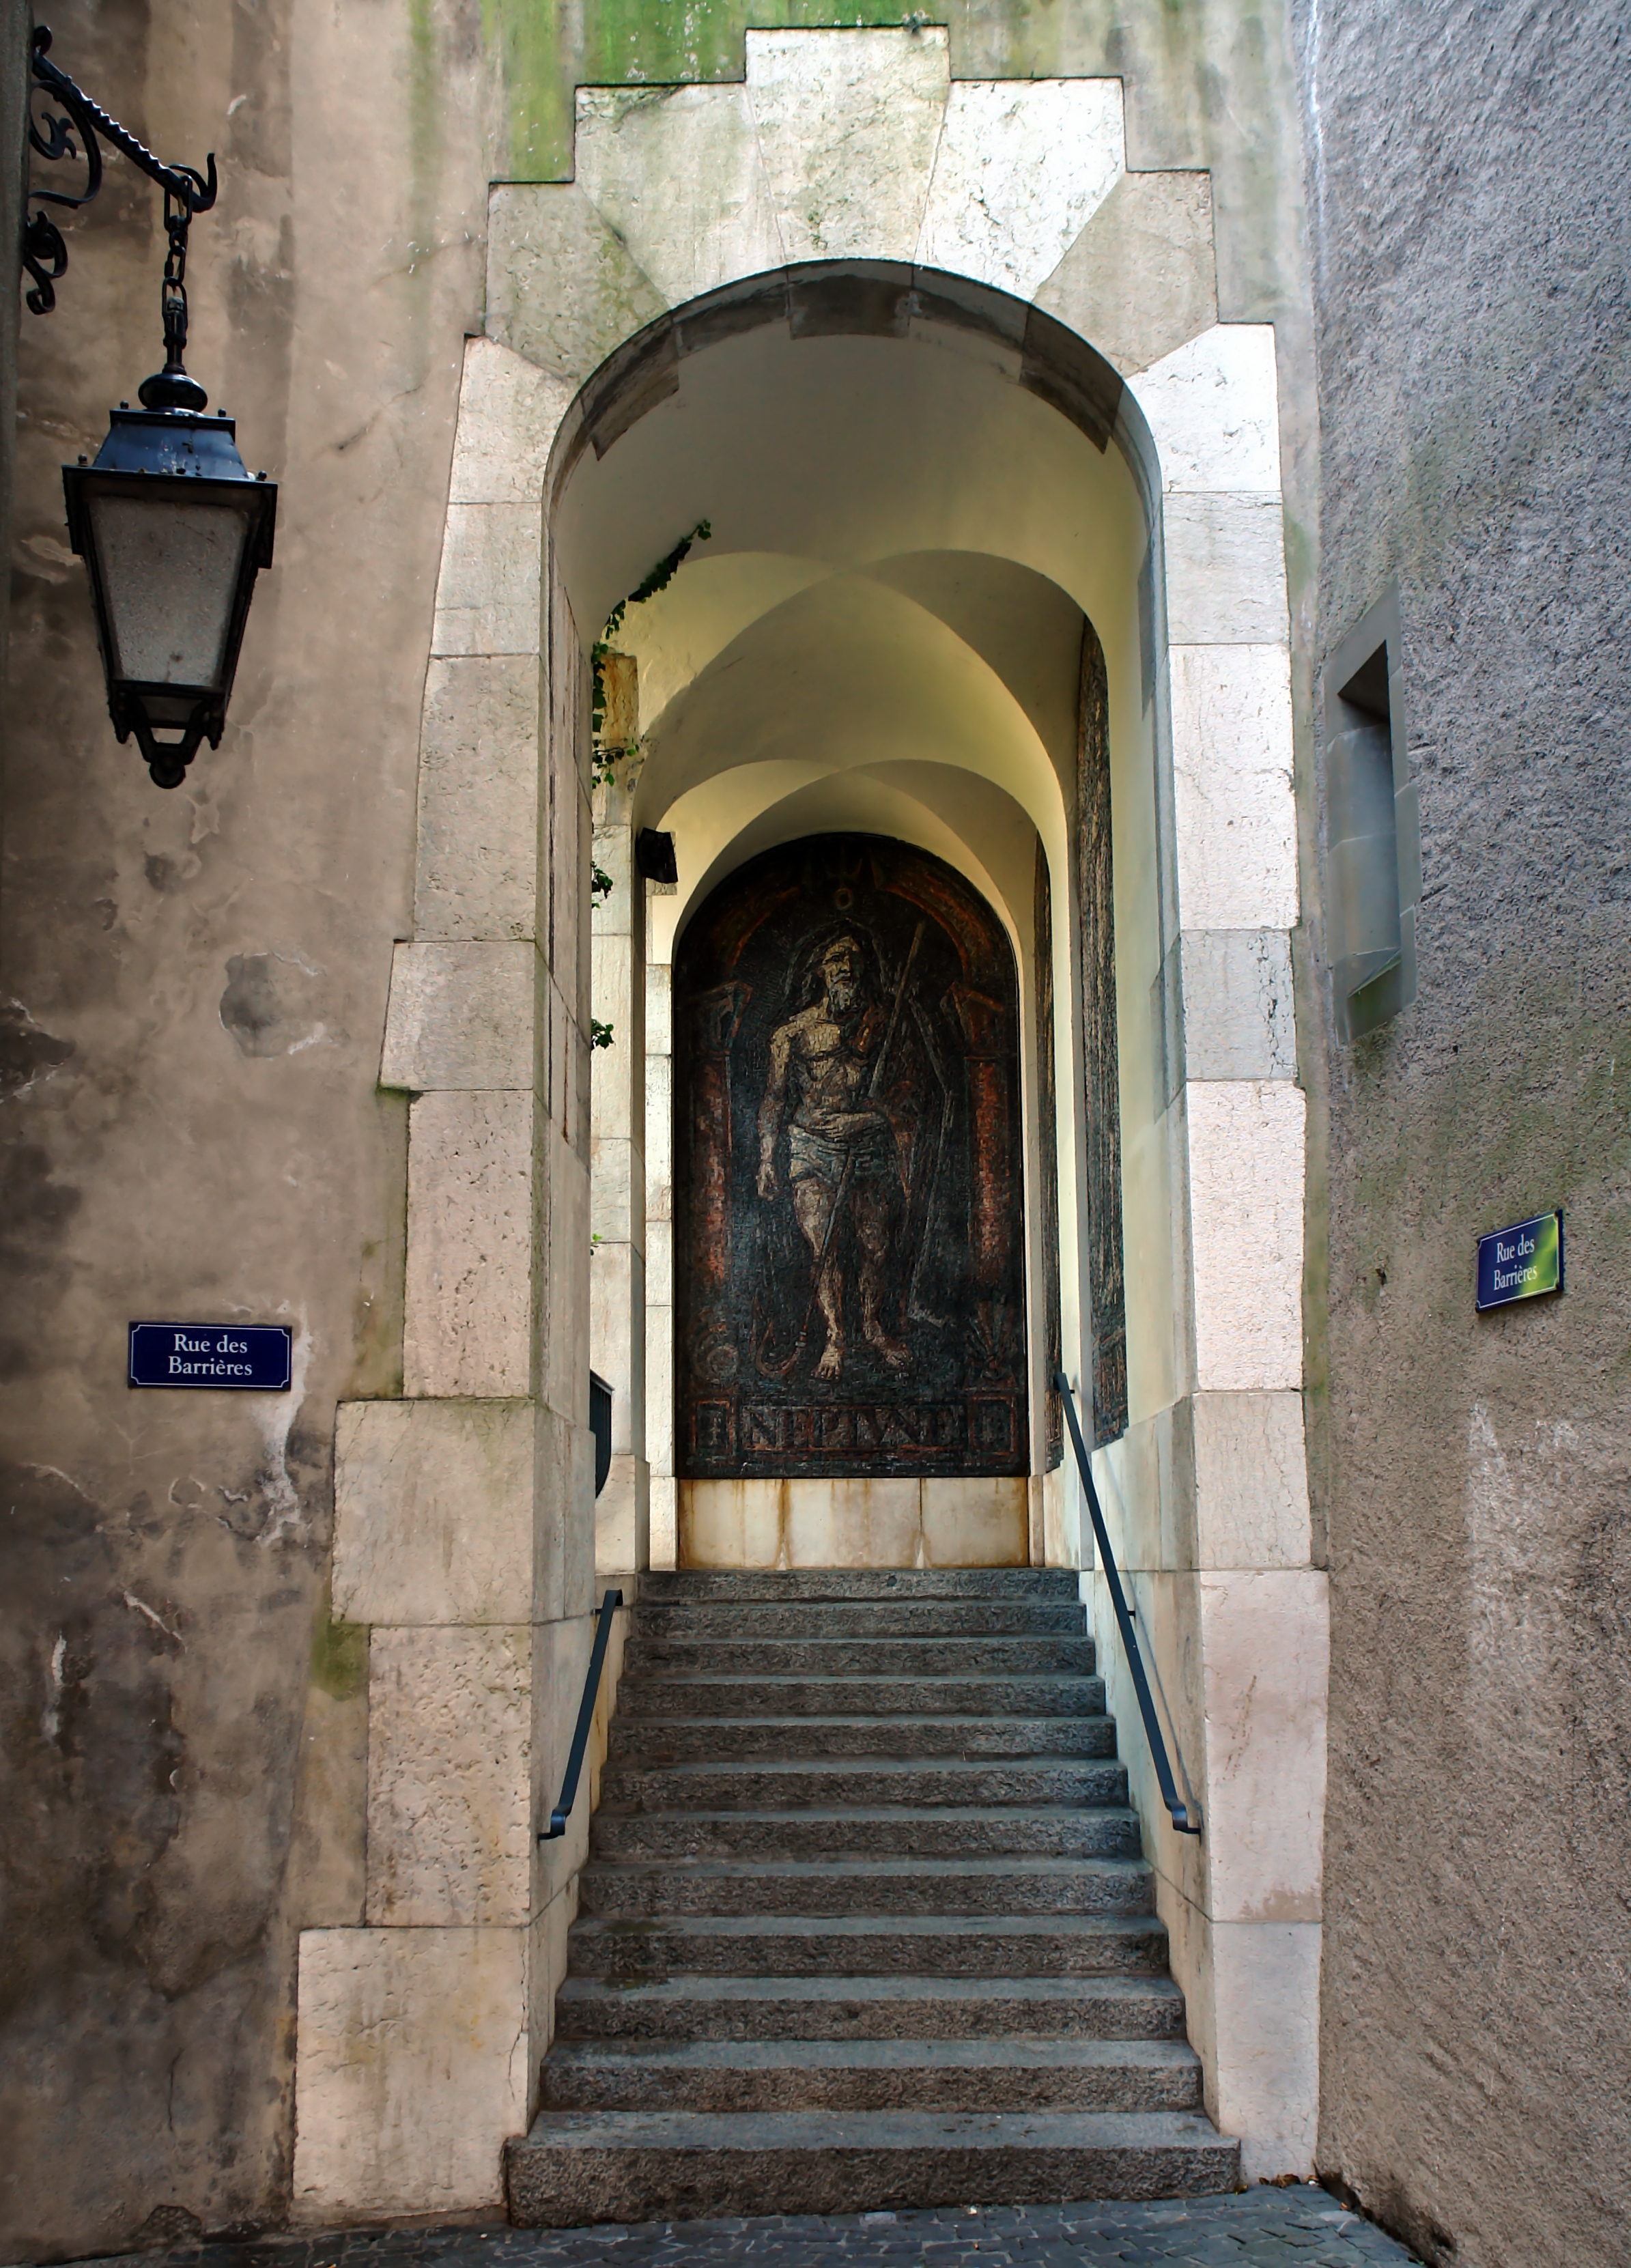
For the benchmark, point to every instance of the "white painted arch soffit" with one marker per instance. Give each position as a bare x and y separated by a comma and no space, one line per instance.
877,590
841,703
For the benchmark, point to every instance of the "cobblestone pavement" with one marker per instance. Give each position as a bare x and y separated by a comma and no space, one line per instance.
1263,2228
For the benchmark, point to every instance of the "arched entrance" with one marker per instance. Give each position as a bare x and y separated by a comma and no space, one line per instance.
973,587
851,1375
917,615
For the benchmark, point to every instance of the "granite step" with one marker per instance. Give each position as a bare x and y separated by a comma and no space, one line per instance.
866,1922
899,1830
760,1784
899,2007
654,1949
815,1654
848,1886
685,1737
631,2165
936,2074
782,1587
707,1619
731,1695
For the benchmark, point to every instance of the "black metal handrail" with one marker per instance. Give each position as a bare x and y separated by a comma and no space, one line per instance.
563,1811
1180,1811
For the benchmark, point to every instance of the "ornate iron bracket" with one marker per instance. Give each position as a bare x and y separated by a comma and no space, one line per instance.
45,256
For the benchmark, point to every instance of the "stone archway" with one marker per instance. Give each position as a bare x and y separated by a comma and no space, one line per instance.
463,1512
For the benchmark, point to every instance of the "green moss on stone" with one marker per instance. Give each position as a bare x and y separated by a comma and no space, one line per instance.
544,54
339,1656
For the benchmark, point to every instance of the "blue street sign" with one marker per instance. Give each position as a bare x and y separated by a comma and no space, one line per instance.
1520,1261
253,1357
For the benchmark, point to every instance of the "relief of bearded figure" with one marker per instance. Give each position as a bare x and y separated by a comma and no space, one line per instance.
841,1086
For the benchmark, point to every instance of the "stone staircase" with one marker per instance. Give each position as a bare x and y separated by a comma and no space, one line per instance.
866,1921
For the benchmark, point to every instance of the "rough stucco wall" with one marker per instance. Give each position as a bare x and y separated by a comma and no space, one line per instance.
1467,171
191,1129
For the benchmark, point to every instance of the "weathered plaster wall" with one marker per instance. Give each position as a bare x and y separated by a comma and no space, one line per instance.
195,1120
196,987
15,29
1467,171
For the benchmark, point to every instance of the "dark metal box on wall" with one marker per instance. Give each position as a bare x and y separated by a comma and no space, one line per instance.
849,1177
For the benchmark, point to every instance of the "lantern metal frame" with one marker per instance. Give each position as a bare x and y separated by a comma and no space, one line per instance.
197,459
167,451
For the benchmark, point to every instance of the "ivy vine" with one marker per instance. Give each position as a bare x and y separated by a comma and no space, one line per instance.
599,1034
657,579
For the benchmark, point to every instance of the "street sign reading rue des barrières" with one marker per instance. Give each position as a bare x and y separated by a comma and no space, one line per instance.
253,1357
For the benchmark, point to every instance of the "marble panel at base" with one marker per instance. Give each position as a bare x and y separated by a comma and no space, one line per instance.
449,1772
731,1523
852,1523
980,1521
1265,1979
411,2066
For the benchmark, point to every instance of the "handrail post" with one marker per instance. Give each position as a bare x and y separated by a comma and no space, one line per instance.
563,1811
1178,1810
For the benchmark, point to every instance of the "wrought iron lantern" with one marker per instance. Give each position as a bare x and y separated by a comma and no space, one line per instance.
172,527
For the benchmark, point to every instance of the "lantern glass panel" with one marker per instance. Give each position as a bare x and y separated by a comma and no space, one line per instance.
170,571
